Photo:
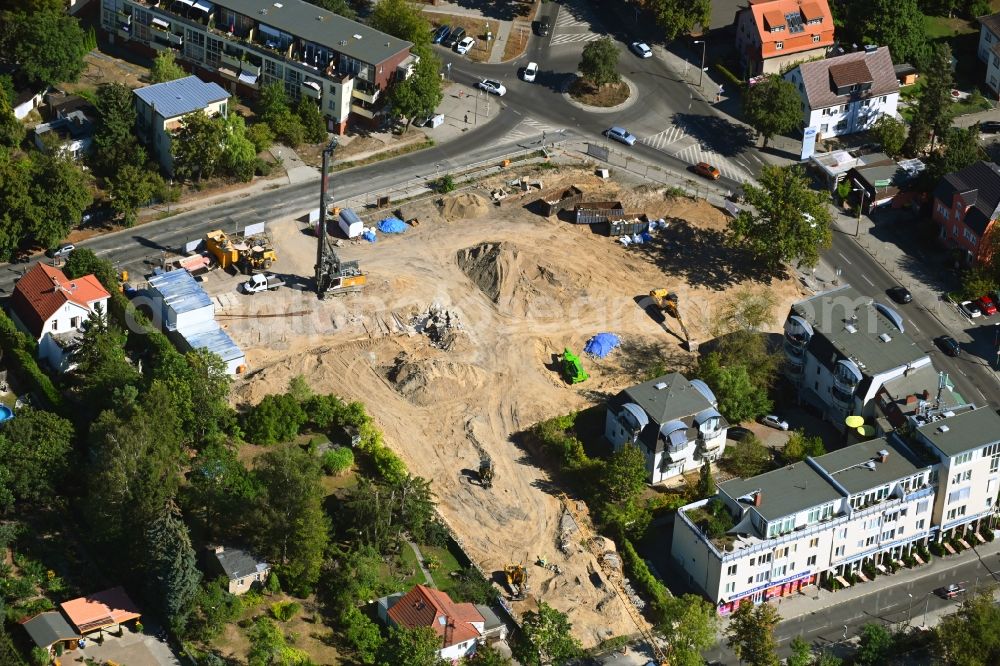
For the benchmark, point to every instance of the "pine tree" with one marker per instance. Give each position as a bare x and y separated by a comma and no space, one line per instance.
706,482
174,575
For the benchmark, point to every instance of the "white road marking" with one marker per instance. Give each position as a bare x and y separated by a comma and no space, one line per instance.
865,278
914,327
574,38
844,258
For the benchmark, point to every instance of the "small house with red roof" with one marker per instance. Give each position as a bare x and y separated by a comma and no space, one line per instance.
460,626
771,35
52,309
100,611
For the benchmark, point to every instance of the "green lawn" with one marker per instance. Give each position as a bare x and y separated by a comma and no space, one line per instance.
942,27
447,563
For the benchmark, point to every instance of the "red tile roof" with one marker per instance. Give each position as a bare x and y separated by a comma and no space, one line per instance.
426,607
101,609
768,14
43,290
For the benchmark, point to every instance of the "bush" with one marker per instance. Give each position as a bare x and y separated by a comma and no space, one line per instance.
645,583
937,549
557,444
283,611
277,418
986,533
445,184
338,461
729,76
261,136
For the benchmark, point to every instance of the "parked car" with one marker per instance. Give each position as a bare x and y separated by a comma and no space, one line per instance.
541,27
901,295
262,282
774,421
454,37
641,49
738,433
620,134
949,591
530,72
465,46
986,304
61,251
493,87
990,127
949,345
441,34
971,310
707,170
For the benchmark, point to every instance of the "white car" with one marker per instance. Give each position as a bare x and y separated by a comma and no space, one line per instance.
531,71
465,46
641,49
620,134
493,87
774,422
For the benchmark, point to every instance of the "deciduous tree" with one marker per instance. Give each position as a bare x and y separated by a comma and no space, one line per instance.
35,451
876,641
800,445
772,106
691,627
898,24
747,458
890,134
750,634
410,647
276,418
971,636
361,634
239,154
130,188
102,364
599,62
420,94
801,653
11,129
679,17
786,219
961,149
624,476
165,68
546,638
82,261
172,571
740,399
198,146
313,123
49,46
401,19
61,192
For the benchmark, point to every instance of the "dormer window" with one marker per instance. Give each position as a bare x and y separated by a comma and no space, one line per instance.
779,45
777,28
815,38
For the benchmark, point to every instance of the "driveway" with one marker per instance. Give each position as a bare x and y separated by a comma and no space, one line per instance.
130,649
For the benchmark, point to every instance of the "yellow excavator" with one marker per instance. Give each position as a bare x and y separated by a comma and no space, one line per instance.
668,303
517,581
486,472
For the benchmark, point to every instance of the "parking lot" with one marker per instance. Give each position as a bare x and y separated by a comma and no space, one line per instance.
131,649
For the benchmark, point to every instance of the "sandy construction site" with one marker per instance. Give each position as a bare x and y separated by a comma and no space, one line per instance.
504,290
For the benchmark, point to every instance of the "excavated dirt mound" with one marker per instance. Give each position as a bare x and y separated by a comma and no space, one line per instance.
513,277
465,206
425,382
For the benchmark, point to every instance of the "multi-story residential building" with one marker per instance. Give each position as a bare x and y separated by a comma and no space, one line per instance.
160,109
863,506
989,49
841,347
345,66
846,94
966,206
774,34
807,522
674,422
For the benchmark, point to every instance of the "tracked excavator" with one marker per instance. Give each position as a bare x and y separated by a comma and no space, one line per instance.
486,472
333,276
668,303
517,581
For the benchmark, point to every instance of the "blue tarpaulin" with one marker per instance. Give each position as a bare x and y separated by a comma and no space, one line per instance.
392,225
601,344
369,236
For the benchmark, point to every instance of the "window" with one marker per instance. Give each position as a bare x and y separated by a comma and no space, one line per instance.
761,577
956,513
881,99
870,541
750,580
958,495
888,535
920,524
731,571
730,588
838,551
778,46
811,561
779,571
967,456
765,558
74,322
814,542
813,517
922,506
55,324
752,561
996,61
861,543
827,512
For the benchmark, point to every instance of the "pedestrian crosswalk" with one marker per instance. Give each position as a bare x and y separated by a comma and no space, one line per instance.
530,128
574,38
675,142
663,139
574,14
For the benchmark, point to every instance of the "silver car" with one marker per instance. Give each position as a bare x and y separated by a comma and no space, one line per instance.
620,134
774,422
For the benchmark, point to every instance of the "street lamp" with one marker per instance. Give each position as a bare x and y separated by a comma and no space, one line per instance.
996,342
861,208
702,74
909,609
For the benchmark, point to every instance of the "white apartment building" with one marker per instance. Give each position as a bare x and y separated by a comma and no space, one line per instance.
989,49
841,347
846,94
864,505
345,66
675,422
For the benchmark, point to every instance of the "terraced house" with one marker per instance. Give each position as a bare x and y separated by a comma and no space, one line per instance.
868,507
345,66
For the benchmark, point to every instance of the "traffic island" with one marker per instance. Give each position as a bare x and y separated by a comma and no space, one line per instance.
601,99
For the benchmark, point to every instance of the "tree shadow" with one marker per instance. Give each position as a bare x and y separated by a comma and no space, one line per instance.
715,133
499,10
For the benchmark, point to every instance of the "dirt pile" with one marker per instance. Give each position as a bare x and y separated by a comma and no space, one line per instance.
441,326
424,382
465,206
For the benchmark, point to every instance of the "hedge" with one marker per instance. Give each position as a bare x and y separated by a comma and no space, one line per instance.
645,583
732,78
20,350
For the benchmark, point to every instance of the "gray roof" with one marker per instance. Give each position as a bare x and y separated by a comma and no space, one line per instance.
963,432
876,67
181,96
238,563
491,619
180,291
785,491
924,378
830,312
48,628
675,399
305,20
992,22
979,185
847,466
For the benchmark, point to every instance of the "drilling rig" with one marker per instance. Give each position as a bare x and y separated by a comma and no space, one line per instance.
333,276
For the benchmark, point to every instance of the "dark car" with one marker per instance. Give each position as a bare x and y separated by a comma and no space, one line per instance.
441,34
454,37
949,591
949,345
901,295
541,27
990,127
738,433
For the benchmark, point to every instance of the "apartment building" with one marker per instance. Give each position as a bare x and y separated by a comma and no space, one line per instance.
989,49
841,347
774,34
345,66
674,421
862,506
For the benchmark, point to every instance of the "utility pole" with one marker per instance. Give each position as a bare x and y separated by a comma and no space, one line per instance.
701,75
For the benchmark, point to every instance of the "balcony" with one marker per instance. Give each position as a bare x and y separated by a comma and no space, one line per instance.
365,97
231,61
311,89
362,111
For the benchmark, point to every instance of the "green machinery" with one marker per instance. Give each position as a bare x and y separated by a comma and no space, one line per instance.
572,368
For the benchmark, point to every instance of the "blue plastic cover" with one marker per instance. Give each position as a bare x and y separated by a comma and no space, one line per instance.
369,236
392,225
601,344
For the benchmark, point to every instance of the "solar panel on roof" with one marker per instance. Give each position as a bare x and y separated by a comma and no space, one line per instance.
794,21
